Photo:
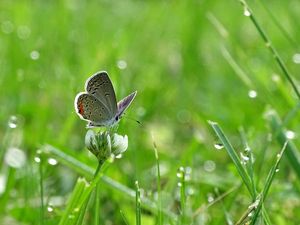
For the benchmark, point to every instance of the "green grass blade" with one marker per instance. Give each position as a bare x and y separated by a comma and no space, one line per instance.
268,183
292,153
137,204
159,208
234,157
270,47
68,215
88,172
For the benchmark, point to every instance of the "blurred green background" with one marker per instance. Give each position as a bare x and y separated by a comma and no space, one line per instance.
190,61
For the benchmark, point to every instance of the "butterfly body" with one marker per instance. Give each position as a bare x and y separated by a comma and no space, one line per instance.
98,105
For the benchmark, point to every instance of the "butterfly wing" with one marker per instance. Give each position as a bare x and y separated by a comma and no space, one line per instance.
100,86
89,108
124,103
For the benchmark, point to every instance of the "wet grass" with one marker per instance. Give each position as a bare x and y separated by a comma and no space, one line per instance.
231,63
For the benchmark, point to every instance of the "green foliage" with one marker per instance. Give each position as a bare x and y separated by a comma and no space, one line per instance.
190,61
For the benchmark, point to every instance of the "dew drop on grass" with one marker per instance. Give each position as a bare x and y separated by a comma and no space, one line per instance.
23,32
277,170
15,157
210,198
37,159
122,64
7,27
50,208
252,94
209,166
179,184
247,12
52,161
34,55
290,134
245,158
296,58
218,146
13,122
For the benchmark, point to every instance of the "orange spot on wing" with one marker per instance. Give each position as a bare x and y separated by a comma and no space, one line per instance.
80,108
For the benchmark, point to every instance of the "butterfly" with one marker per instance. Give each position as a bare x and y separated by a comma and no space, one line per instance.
98,104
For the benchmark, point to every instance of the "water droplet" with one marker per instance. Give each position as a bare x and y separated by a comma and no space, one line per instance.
250,214
37,159
122,64
15,157
296,58
179,174
275,78
7,27
290,134
209,166
23,32
247,12
190,191
278,155
210,198
13,122
34,55
252,94
52,161
277,170
179,184
244,157
219,146
50,209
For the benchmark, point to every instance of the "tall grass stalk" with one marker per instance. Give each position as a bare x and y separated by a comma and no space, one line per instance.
268,183
249,12
41,183
159,200
234,157
138,203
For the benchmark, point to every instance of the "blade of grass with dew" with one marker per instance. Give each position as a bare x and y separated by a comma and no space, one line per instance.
249,163
159,212
282,66
285,33
137,203
292,153
234,157
41,183
124,218
268,183
219,198
68,214
88,172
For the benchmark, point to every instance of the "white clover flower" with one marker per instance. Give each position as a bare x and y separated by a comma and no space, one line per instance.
119,144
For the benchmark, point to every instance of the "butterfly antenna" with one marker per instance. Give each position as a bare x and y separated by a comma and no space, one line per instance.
133,120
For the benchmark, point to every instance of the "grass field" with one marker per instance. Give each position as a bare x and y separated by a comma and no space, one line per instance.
218,103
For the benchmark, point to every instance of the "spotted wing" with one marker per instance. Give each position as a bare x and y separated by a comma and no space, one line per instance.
124,103
100,86
89,108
